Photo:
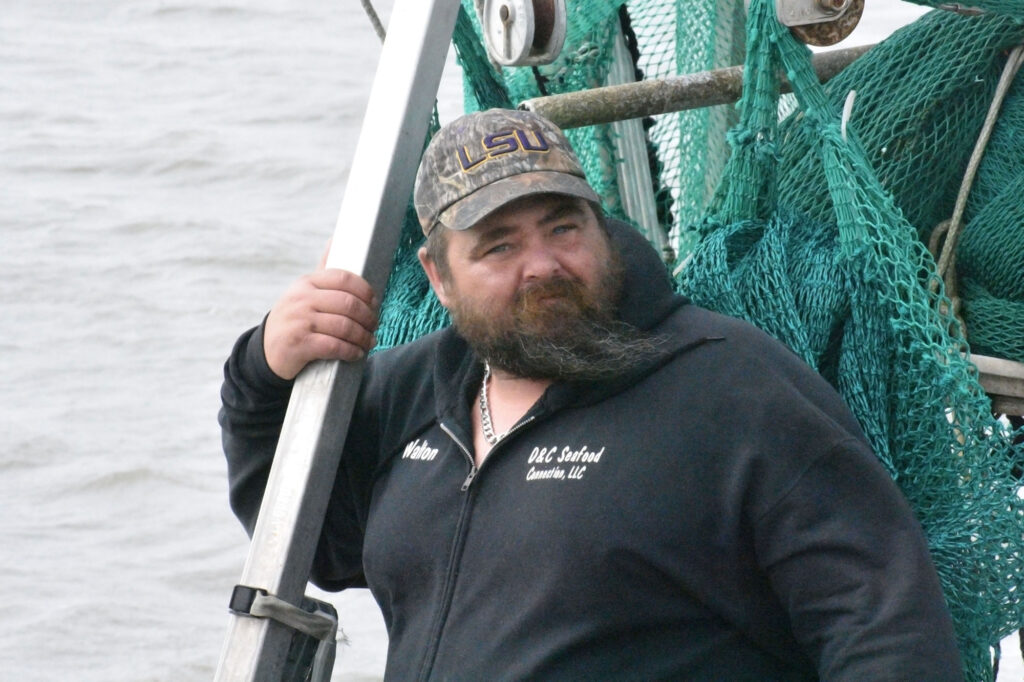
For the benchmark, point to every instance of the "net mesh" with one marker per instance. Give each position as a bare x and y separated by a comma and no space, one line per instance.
990,252
819,237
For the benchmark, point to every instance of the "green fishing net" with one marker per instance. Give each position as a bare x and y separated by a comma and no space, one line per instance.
815,228
816,236
990,252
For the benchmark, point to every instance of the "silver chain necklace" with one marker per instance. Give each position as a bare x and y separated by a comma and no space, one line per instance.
485,411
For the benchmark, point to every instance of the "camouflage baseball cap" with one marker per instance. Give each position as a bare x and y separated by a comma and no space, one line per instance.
480,162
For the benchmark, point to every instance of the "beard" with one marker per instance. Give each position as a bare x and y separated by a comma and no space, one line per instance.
559,330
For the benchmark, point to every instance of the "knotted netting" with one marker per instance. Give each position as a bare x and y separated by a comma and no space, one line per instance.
819,242
990,252
922,97
814,229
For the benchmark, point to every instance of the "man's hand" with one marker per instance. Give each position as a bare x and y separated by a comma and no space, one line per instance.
325,315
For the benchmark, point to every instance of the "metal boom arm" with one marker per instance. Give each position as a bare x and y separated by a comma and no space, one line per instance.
365,237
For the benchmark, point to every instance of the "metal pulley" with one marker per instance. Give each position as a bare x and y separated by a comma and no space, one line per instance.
523,32
819,22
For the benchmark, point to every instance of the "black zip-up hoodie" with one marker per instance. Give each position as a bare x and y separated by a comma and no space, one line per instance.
715,516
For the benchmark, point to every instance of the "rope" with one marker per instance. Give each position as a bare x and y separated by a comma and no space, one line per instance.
847,112
954,225
374,19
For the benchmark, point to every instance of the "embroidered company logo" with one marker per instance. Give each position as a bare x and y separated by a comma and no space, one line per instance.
561,464
501,143
419,451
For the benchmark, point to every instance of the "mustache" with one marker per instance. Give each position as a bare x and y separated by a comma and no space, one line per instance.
556,296
552,287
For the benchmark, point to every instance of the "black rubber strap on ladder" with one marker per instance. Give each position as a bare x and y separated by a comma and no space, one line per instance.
257,603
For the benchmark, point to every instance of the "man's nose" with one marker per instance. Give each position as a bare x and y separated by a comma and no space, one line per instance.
541,262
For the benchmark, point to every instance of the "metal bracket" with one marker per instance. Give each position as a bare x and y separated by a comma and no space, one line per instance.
319,624
242,598
805,12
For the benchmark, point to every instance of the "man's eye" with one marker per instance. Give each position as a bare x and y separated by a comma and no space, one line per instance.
497,248
562,229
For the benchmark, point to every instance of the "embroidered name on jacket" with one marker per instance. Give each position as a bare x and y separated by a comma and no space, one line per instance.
561,463
419,450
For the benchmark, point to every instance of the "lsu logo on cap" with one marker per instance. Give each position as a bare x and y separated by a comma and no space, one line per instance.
498,144
484,160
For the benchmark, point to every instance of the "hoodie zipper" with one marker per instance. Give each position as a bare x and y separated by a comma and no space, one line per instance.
473,468
449,588
466,452
456,553
453,560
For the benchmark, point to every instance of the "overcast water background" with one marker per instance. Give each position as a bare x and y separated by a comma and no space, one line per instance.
167,167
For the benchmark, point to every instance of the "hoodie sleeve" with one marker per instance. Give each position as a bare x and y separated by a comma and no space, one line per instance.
253,405
849,561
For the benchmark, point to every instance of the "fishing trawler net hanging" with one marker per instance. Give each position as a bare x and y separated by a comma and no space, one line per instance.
818,237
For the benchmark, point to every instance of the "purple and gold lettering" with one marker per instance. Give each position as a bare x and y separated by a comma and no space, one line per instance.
540,146
466,162
504,142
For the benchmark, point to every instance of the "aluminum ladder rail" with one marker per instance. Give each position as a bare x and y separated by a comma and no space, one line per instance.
365,237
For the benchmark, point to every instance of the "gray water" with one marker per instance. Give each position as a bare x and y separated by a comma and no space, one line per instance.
167,167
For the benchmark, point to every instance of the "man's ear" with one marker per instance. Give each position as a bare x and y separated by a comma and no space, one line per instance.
436,281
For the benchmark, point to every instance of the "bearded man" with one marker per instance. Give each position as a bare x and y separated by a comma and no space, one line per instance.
586,477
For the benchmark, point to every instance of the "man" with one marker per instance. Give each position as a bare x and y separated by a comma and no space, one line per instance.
587,477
